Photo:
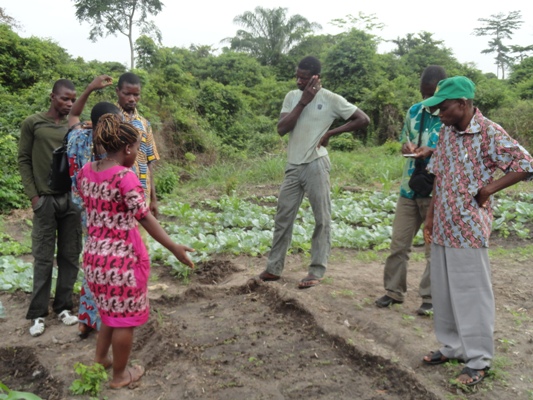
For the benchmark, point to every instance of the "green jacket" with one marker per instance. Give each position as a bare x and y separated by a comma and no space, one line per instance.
39,137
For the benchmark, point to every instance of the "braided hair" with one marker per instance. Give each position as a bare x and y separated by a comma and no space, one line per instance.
113,134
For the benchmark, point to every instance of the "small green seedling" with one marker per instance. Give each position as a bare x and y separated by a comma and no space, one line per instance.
91,379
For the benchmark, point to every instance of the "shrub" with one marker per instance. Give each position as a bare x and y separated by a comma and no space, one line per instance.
516,120
166,179
392,147
344,142
12,193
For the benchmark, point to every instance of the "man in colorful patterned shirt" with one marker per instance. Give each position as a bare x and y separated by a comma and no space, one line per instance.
470,150
412,207
129,93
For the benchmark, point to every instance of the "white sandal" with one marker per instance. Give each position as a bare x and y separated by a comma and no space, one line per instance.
37,327
67,318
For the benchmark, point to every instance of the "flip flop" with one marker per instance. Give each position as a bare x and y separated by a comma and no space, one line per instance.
134,377
268,277
308,282
477,375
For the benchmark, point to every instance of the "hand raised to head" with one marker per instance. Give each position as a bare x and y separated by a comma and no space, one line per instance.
311,89
101,82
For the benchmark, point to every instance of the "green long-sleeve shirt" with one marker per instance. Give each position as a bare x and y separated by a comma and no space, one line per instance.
39,136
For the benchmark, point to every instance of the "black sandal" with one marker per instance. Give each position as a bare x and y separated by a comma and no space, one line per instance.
476,375
436,358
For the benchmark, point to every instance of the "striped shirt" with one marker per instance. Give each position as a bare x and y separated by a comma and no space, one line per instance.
147,151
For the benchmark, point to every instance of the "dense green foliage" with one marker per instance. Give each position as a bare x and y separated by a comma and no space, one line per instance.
209,108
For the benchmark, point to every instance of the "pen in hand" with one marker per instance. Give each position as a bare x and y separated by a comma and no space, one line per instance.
409,146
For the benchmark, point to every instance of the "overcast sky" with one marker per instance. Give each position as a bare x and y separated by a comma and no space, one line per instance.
208,22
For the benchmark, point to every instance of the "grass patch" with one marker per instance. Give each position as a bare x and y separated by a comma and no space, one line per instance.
348,169
371,256
520,253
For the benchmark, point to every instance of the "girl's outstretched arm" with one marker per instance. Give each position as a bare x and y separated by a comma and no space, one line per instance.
156,231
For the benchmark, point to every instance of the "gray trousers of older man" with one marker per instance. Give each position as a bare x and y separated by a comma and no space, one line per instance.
463,303
311,179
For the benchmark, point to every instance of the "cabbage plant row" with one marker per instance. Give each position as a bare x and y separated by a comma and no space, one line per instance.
237,226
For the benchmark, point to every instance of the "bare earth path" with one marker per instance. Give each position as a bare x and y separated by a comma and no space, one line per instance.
226,336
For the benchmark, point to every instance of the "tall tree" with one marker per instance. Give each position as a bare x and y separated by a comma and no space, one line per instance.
363,22
522,52
500,27
416,52
109,17
352,66
269,34
8,20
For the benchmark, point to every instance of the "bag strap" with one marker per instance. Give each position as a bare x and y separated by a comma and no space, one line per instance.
419,161
420,127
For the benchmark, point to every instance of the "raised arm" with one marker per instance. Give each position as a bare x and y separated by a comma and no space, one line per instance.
99,82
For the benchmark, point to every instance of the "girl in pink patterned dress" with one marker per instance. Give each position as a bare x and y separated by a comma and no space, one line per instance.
115,260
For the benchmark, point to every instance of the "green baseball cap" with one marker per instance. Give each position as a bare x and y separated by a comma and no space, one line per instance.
456,87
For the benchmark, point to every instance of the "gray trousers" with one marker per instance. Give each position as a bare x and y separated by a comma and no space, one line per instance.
311,179
54,217
463,303
410,215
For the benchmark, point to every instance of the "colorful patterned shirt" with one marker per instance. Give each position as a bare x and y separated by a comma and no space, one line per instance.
463,163
430,137
147,152
79,153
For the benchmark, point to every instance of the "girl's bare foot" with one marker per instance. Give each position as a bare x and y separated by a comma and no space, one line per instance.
106,363
131,374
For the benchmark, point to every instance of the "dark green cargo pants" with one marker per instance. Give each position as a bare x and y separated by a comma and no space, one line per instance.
55,217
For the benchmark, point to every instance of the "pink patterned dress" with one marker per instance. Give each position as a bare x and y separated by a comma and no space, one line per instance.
115,260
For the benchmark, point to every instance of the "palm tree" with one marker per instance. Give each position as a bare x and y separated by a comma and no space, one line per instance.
269,33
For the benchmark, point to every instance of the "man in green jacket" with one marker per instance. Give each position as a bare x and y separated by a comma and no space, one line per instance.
54,214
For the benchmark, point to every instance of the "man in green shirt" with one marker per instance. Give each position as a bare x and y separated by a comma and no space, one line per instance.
306,116
54,214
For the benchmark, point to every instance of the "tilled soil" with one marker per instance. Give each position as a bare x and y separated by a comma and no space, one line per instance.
227,336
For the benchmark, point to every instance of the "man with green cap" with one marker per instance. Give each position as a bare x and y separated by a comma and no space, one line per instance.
458,224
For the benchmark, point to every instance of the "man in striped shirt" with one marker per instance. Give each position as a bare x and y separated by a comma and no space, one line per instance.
129,93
